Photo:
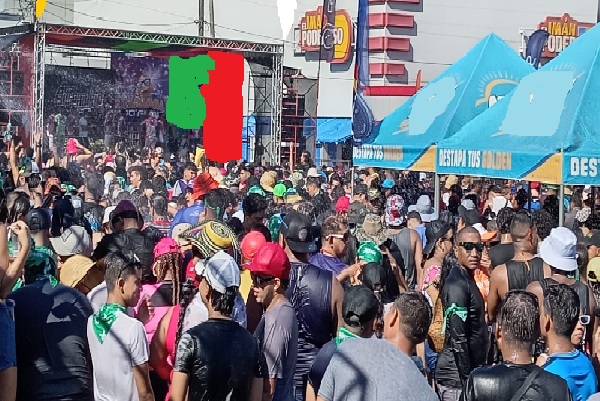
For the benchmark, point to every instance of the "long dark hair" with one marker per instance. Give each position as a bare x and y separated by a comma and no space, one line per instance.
450,261
188,292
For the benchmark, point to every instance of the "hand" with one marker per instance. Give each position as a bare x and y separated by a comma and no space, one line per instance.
145,311
21,230
541,361
486,262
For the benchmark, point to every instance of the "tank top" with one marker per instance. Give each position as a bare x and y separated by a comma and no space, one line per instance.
403,241
309,291
161,298
521,274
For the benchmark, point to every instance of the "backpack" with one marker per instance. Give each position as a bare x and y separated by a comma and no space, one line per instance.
435,336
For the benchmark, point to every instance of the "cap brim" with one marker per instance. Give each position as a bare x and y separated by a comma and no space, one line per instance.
59,247
428,217
548,255
302,247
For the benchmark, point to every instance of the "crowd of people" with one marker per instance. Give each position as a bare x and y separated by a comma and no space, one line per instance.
136,276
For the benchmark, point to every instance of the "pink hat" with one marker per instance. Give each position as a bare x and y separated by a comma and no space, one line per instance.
343,204
165,246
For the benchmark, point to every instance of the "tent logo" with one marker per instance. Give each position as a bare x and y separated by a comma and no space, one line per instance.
489,97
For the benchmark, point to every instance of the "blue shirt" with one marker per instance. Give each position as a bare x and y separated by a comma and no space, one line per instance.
328,263
577,370
189,215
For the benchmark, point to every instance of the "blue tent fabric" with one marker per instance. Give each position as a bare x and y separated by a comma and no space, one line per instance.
523,135
329,130
487,72
249,127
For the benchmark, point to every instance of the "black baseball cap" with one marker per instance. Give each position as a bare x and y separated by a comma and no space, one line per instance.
357,213
38,219
360,306
298,233
593,240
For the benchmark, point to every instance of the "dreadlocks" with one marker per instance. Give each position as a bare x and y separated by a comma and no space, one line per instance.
165,263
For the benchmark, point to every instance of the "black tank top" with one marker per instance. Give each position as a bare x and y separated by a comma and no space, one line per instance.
521,274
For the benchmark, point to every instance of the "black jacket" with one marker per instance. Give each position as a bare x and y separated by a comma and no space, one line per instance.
502,382
466,343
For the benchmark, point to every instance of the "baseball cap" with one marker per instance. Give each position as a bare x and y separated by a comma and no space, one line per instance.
360,306
369,252
593,270
559,249
271,260
251,243
297,231
73,241
165,246
594,240
255,189
38,219
279,190
220,271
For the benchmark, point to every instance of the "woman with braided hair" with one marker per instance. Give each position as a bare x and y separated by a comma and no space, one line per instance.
161,297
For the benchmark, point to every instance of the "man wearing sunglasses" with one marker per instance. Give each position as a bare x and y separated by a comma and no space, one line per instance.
333,247
277,332
466,332
523,269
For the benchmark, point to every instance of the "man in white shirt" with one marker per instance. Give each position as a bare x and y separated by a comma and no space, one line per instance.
117,341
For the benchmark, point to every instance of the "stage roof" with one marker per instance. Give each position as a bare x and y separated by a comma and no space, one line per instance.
156,44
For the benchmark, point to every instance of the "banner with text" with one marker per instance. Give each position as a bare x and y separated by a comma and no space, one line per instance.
406,138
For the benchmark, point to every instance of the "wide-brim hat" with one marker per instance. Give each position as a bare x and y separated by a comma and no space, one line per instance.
372,230
559,249
211,237
75,269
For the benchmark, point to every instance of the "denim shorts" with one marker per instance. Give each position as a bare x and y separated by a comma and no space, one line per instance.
8,348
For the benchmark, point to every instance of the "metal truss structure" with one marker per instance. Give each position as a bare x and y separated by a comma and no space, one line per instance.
39,60
48,40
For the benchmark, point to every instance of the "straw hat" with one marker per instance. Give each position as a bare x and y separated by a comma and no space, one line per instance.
75,269
372,230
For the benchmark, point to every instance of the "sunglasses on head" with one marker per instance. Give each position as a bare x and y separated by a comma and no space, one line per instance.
469,246
343,237
259,280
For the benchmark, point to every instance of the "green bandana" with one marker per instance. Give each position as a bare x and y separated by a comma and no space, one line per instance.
257,190
460,311
53,281
343,334
103,320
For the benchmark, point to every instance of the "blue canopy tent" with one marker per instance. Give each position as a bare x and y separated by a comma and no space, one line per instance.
406,139
553,110
329,133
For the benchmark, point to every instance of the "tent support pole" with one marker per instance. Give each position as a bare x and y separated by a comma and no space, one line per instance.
436,193
561,209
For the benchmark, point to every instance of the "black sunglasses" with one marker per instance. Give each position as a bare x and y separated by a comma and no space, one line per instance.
258,281
469,246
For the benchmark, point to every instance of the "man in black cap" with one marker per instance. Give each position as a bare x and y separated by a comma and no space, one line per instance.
360,194
39,224
315,294
359,310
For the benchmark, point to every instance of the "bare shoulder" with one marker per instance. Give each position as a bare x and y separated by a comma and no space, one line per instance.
498,273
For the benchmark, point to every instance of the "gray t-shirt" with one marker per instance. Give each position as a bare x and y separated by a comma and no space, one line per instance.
374,370
277,335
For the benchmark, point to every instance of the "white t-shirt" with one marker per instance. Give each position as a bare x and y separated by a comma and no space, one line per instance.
124,347
98,296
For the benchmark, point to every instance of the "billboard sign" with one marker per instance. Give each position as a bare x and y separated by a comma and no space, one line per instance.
338,36
562,32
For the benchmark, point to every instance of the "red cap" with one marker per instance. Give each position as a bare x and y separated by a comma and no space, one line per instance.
271,260
203,184
251,243
343,204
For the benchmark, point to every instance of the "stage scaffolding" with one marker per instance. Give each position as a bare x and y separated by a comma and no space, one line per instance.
265,60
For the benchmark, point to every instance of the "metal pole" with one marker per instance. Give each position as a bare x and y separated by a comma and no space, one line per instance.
211,16
436,194
561,209
200,17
